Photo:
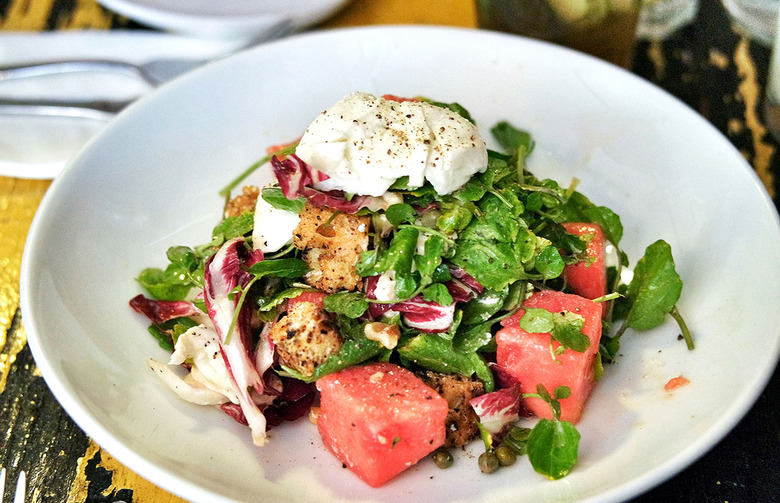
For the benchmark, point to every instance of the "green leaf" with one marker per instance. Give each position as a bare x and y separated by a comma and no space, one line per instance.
275,197
400,257
437,293
269,302
349,304
566,327
494,265
549,263
232,227
282,268
511,138
455,107
484,306
474,337
438,354
351,353
579,208
164,284
428,263
400,213
654,289
568,331
552,448
537,320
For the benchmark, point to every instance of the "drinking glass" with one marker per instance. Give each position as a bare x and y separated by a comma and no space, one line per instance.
603,28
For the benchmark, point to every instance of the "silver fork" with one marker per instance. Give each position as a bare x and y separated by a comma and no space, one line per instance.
152,73
21,483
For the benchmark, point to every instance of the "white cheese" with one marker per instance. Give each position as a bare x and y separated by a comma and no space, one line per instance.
273,228
364,144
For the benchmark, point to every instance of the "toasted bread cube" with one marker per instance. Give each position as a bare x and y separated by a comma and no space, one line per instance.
332,243
305,337
458,391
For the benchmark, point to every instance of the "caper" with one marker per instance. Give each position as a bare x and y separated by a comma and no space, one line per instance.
506,456
488,462
443,458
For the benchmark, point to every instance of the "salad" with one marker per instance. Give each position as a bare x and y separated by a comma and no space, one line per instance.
407,289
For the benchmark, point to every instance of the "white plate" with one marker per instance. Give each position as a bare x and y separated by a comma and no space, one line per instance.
224,18
150,181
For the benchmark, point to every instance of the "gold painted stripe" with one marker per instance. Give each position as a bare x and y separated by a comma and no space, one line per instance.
27,15
19,199
87,14
750,92
122,478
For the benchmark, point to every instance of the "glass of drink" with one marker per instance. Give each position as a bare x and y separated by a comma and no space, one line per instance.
603,28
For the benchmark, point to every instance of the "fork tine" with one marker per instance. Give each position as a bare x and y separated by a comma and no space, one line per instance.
21,488
2,483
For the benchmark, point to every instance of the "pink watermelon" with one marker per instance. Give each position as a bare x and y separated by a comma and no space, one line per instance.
379,419
527,358
588,279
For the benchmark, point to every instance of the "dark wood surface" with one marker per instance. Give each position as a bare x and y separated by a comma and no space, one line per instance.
709,66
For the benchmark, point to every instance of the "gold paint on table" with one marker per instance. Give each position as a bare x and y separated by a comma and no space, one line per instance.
749,92
122,478
19,199
33,15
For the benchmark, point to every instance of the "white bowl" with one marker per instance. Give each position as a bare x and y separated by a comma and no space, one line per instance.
150,181
245,19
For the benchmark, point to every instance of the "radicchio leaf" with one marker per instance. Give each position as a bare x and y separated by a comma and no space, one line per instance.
296,179
160,311
223,274
499,409
424,315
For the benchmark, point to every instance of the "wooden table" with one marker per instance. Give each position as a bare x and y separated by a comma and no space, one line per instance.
713,69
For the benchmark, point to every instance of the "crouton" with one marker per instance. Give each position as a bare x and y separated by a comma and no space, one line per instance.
461,419
305,337
242,203
332,243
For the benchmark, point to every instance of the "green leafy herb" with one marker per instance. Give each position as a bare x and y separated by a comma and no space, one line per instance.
553,444
349,304
275,197
438,293
654,291
400,213
282,268
351,353
436,353
566,327
232,227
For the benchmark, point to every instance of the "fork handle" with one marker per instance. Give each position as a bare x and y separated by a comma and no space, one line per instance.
42,68
98,109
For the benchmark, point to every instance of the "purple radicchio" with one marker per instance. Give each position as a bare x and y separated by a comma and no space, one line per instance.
224,274
499,409
427,316
296,179
160,311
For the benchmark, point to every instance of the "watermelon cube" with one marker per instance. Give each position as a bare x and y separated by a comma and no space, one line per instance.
527,357
588,279
379,419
